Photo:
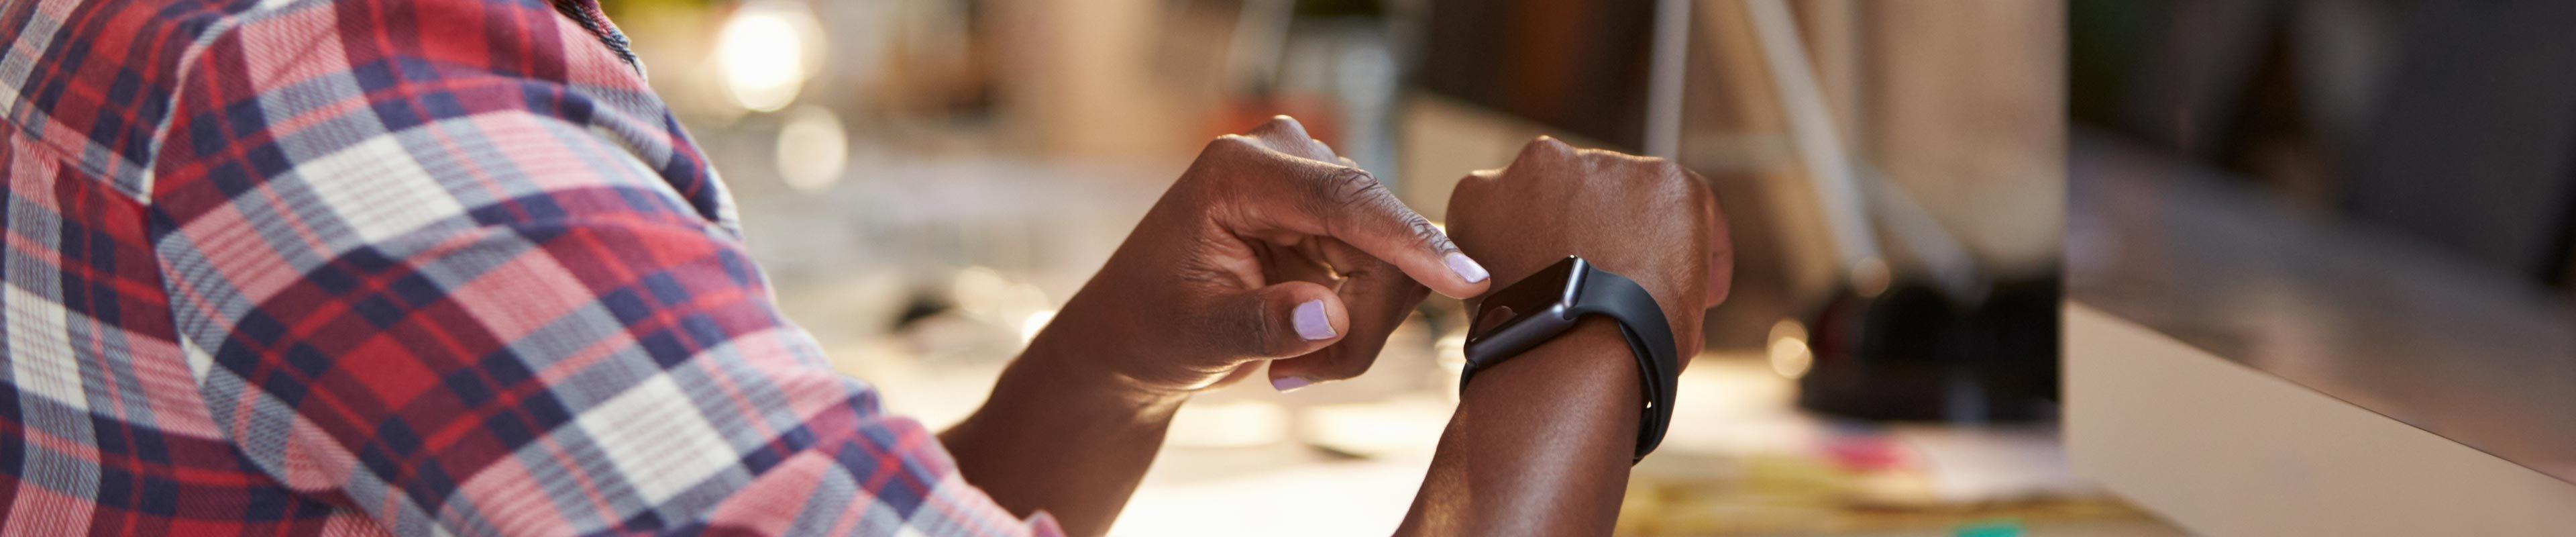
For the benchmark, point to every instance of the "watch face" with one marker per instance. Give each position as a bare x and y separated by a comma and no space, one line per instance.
1540,293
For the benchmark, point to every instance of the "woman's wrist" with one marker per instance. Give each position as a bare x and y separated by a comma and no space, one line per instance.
1540,444
1068,364
1582,384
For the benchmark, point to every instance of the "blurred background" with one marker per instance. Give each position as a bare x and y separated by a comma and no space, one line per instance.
2372,200
927,180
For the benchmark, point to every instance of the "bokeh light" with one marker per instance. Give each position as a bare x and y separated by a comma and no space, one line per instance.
766,52
813,149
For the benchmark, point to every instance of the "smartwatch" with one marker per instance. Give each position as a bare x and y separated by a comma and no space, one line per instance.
1543,305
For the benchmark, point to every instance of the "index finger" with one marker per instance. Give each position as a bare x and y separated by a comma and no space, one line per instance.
1286,193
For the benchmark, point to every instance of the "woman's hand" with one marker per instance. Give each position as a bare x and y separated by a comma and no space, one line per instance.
1269,249
1541,444
1266,252
1644,218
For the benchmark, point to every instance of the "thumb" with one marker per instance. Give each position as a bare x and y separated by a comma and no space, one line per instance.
1288,319
1378,297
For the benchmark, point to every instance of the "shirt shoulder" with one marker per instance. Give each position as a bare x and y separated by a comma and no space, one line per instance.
123,87
93,78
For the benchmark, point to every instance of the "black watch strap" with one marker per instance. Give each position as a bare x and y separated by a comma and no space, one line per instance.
1552,301
1650,338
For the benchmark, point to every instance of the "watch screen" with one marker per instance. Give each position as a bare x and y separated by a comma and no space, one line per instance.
1533,294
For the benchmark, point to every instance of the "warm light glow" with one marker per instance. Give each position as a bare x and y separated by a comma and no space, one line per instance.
980,290
1228,424
765,53
1790,356
813,149
1037,321
1871,277
988,296
1389,428
1788,328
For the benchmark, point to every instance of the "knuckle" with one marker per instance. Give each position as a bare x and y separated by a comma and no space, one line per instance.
1282,125
1325,151
1352,201
1228,144
1659,164
1352,194
1476,182
1542,149
1267,337
1670,171
1655,173
1666,175
1425,233
1481,183
1347,189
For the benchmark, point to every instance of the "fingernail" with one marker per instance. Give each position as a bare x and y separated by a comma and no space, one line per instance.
1311,323
1289,384
1467,269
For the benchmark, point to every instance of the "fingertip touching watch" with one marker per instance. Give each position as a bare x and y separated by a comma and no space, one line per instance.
1544,305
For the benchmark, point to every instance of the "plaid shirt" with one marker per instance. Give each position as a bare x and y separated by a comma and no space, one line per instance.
418,267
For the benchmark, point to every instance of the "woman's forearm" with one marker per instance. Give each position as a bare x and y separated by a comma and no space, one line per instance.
1540,444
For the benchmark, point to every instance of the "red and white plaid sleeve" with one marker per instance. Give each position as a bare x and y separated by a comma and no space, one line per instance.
451,264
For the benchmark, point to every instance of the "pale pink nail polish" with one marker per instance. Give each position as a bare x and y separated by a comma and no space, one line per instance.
1310,321
1289,384
1467,269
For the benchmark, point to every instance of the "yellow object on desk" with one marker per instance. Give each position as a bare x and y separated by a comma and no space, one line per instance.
1789,495
1744,460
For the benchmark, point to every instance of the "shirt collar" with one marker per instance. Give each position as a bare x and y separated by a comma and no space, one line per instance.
587,14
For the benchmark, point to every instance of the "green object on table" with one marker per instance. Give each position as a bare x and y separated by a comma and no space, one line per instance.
1989,529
